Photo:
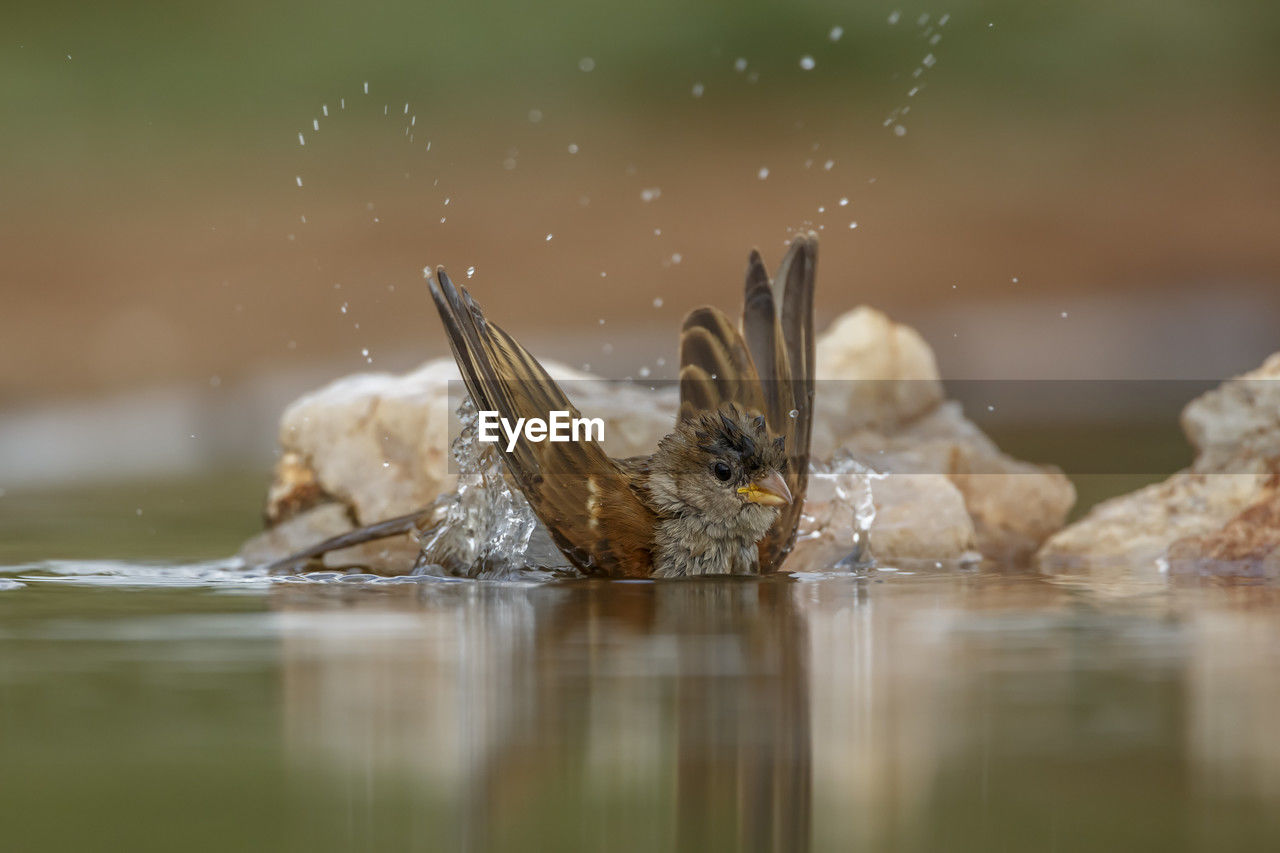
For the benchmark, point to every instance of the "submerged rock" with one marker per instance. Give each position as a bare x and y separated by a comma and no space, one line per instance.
376,446
1219,516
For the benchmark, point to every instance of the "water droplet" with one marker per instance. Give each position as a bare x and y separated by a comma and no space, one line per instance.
844,202
661,362
301,140
853,225
1064,315
601,321
829,165
586,63
325,109
139,509
794,413
763,173
549,236
471,271
573,148
740,64
650,193
315,124
299,180
644,372
535,116
677,258
657,302
928,61
366,87
836,33
807,63
822,209
894,17
1014,279
923,19
991,408
899,130
343,308
698,89
942,22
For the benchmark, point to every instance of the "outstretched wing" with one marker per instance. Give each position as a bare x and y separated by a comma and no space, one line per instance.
766,368
582,496
784,341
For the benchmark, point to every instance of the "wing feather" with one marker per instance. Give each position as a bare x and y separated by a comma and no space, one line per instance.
715,366
792,290
584,498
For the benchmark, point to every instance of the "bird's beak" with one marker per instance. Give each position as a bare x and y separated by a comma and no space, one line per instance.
769,490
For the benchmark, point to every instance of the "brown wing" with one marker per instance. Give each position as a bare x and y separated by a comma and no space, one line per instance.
767,368
778,324
715,366
584,498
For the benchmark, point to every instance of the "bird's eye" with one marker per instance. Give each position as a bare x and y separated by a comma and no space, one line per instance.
722,471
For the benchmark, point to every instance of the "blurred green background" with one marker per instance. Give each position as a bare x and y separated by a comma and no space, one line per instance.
1082,190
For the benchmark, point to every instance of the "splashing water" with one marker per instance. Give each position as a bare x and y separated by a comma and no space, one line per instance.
485,529
838,524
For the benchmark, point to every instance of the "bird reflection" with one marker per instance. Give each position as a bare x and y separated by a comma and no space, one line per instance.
677,713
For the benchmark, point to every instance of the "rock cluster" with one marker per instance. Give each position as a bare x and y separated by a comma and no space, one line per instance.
374,446
1221,516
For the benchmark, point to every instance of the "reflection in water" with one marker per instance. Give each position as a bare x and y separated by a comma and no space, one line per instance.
954,711
949,711
677,710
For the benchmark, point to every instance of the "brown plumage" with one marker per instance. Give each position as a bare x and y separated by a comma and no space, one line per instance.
722,494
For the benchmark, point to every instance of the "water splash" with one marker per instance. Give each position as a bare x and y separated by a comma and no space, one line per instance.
485,529
838,524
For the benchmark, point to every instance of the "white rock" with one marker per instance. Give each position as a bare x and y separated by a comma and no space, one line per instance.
379,442
1215,511
872,373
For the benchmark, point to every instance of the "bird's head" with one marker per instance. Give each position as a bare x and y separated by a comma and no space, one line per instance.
725,466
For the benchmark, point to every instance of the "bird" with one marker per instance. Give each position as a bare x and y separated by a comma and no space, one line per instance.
722,493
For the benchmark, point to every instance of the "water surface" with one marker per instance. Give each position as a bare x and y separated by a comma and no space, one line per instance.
152,705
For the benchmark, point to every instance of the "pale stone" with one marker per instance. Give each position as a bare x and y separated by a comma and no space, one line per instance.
871,373
1215,516
380,442
301,531
1014,505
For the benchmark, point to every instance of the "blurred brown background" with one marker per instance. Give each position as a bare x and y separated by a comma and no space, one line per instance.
1088,191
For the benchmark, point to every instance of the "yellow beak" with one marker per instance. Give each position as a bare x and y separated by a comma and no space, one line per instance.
769,490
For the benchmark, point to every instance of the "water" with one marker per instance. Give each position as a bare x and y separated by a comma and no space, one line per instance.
952,710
